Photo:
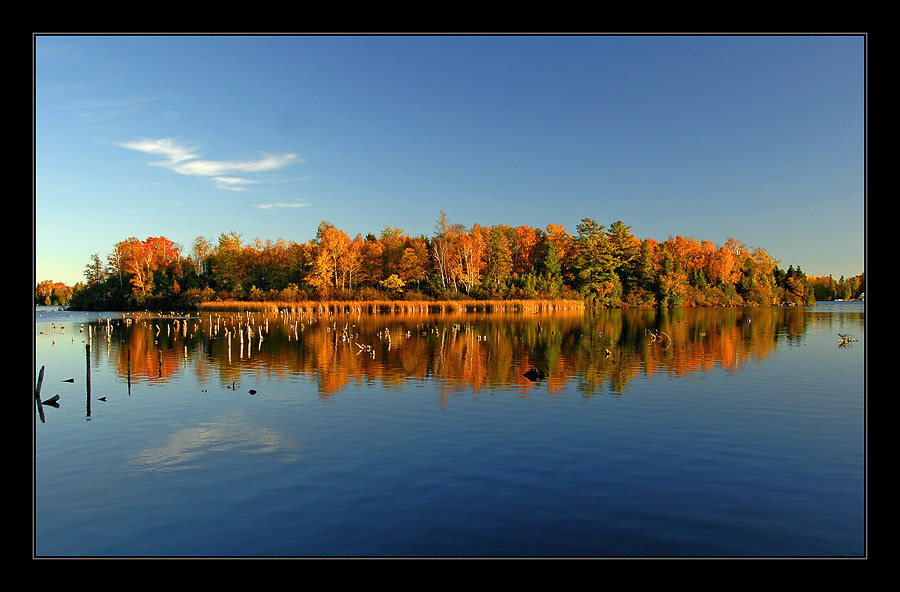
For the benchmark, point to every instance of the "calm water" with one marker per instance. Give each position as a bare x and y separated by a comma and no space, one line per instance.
711,432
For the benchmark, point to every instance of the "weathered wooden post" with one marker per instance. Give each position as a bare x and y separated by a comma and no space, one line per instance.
37,394
87,355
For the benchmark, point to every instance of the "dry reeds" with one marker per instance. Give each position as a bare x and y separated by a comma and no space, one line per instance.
399,306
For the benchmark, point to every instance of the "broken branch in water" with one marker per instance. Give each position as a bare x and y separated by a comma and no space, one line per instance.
845,339
655,336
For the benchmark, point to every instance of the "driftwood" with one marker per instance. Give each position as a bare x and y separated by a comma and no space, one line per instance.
655,336
845,339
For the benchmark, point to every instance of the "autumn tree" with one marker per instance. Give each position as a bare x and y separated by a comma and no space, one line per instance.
50,293
440,248
329,247
115,262
149,266
722,267
264,265
762,267
392,247
526,239
167,269
227,263
95,272
200,255
467,258
352,261
393,283
163,252
137,262
415,262
43,292
562,241
371,263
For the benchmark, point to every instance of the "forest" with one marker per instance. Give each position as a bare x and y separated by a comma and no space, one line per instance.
599,266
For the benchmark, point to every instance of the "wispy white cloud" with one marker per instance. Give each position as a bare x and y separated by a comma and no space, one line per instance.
94,110
185,160
293,204
173,152
232,183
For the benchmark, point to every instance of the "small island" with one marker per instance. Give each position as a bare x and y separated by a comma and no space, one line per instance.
475,268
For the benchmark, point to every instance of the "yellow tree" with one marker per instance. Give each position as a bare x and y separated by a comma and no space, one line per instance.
116,262
201,252
415,261
329,245
468,258
440,248
351,262
320,269
722,267
228,267
370,272
392,245
526,239
763,266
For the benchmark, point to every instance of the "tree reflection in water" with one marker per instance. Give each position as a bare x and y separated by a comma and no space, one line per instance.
597,352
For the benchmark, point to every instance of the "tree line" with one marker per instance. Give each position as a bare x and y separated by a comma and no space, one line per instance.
827,288
602,266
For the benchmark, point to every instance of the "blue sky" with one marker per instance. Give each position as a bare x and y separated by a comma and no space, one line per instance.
760,138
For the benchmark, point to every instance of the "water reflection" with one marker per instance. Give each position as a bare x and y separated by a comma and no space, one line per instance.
189,447
597,353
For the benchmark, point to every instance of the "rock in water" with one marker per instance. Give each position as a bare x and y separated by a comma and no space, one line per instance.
534,374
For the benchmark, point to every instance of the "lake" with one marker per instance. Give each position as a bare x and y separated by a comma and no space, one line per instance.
719,432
